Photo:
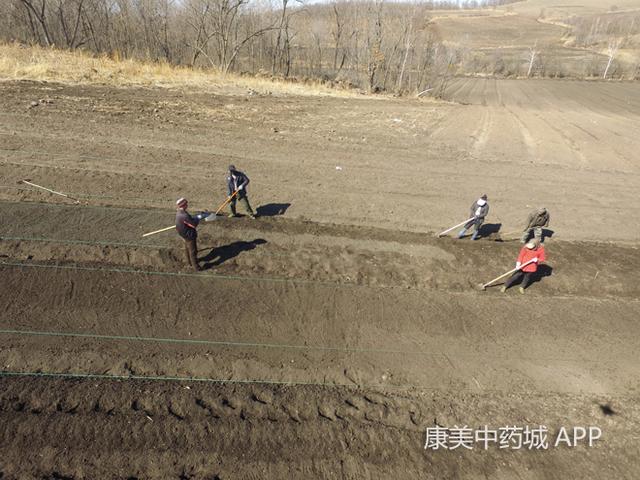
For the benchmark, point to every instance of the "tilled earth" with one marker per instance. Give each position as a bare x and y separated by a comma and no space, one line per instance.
322,339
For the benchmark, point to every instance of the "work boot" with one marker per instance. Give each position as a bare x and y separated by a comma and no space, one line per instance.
252,216
232,215
521,290
461,233
503,289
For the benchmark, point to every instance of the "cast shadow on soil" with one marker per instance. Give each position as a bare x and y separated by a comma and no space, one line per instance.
606,409
544,270
488,229
272,209
219,255
546,233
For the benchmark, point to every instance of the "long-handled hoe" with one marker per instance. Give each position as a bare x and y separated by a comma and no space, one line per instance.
455,226
485,285
27,182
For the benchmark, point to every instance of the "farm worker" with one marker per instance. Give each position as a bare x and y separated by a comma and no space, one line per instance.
532,251
186,227
535,221
479,210
237,181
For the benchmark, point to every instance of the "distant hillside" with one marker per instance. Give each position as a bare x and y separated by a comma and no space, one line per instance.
374,45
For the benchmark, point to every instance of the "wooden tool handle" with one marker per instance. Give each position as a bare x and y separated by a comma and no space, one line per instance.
224,204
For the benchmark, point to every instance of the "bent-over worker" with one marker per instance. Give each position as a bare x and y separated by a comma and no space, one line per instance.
532,252
479,210
535,221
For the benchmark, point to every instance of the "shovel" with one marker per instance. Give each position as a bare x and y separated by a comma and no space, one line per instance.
455,226
226,202
485,285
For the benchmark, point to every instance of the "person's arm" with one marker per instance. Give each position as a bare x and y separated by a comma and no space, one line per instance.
541,255
546,223
230,188
530,218
520,258
485,210
245,182
191,221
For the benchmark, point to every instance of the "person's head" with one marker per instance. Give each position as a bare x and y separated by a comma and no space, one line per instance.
542,210
182,203
532,244
232,169
482,201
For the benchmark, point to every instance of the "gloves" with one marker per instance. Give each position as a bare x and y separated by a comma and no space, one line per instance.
518,265
241,187
535,260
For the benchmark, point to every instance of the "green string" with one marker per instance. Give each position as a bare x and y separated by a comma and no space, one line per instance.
102,243
212,342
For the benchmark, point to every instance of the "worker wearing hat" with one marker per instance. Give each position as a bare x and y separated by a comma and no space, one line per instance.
536,220
186,228
531,255
237,182
479,210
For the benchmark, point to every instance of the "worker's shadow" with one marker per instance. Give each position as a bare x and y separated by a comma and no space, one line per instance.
272,209
544,270
219,255
489,229
546,233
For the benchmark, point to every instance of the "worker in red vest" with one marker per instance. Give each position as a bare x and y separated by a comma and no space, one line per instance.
531,255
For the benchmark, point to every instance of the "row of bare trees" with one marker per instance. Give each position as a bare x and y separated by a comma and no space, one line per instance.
373,44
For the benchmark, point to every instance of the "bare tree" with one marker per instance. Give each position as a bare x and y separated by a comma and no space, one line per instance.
221,22
533,52
614,45
37,12
374,44
408,39
375,57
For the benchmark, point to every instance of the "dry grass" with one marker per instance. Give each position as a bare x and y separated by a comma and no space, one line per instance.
18,62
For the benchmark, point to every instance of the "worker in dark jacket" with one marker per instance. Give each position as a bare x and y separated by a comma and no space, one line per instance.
237,181
479,210
531,255
186,227
536,220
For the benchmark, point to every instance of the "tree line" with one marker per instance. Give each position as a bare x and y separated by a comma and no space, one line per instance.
372,44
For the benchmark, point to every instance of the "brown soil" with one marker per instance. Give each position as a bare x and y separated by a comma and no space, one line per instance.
327,335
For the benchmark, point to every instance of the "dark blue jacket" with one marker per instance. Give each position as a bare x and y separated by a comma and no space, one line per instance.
233,184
